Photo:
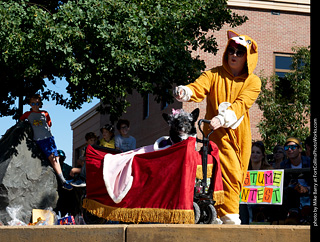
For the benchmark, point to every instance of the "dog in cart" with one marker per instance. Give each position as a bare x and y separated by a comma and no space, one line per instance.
155,182
182,126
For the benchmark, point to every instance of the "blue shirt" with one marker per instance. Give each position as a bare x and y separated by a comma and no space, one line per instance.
287,164
125,144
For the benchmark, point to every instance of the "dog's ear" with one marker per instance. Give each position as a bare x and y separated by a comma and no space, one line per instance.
165,117
195,114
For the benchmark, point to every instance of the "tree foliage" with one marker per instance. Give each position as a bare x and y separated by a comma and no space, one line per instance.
286,110
104,48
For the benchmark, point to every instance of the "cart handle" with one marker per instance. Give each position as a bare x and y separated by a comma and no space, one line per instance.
204,121
205,142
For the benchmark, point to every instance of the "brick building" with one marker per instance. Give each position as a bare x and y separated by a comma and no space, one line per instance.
276,25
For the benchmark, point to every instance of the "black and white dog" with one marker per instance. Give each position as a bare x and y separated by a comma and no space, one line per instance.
182,126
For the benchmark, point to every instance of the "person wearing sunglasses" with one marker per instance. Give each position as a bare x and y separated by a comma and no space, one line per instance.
41,124
230,90
293,149
297,188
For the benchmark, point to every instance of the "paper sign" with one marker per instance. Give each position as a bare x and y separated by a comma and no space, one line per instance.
260,195
263,187
277,175
260,179
252,196
276,195
268,178
247,180
245,194
267,195
253,177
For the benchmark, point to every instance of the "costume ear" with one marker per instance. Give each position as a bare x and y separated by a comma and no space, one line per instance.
195,114
254,46
165,117
231,34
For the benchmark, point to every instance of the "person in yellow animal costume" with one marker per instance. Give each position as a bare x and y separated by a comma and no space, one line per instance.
231,89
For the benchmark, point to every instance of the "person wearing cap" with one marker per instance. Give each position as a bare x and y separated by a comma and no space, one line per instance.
293,149
107,140
230,90
296,190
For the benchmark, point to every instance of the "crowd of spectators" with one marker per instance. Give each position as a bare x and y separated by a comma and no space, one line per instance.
294,158
76,176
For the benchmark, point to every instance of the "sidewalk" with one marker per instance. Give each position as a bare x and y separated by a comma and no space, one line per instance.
156,232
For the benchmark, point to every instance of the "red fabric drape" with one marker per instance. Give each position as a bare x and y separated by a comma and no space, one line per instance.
163,182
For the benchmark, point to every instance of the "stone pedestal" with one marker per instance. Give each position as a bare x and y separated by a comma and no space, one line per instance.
26,178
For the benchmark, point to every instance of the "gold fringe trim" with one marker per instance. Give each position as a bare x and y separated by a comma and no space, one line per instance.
199,174
137,215
218,196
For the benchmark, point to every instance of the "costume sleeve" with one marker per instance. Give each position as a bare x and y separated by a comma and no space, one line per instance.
48,118
201,87
246,97
228,118
25,116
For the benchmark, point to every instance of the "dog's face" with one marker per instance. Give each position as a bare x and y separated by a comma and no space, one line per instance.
182,124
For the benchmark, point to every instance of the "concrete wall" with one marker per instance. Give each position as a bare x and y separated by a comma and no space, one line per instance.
61,233
156,232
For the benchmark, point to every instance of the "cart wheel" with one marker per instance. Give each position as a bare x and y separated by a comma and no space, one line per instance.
89,218
197,212
209,214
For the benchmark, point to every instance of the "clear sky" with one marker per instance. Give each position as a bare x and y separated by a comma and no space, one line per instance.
61,119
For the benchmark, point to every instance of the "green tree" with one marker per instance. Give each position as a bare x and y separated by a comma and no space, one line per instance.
286,110
24,59
105,48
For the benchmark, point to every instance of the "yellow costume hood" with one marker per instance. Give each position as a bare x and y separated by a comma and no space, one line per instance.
251,46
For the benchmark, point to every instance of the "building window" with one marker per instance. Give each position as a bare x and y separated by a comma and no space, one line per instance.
282,63
164,104
146,106
282,66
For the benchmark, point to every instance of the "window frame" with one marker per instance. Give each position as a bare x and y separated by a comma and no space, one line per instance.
281,54
146,106
285,71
